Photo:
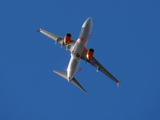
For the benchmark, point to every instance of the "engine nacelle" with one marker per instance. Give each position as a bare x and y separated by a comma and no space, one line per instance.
67,38
90,53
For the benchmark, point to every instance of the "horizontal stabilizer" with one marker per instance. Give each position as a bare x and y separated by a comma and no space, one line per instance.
63,74
74,81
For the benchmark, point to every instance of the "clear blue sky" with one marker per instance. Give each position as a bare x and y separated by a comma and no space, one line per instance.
126,40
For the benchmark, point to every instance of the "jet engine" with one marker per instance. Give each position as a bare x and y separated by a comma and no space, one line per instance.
67,38
90,53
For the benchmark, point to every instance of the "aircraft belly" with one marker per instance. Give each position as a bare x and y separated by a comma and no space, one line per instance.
84,35
72,67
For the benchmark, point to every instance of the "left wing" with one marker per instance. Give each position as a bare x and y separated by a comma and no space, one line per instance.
58,39
97,65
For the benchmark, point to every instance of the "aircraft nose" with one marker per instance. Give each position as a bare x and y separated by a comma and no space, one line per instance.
88,22
89,19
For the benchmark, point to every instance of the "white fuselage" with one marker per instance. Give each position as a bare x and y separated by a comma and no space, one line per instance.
78,48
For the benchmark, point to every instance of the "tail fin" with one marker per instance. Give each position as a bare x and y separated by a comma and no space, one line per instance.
74,81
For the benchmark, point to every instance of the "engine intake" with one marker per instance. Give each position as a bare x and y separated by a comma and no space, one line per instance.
67,38
90,53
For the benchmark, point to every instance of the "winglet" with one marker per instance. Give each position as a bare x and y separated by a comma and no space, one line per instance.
39,30
118,83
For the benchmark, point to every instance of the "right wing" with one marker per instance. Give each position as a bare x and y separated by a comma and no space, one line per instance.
58,39
97,65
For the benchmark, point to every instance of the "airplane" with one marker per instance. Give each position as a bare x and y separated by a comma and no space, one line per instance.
78,51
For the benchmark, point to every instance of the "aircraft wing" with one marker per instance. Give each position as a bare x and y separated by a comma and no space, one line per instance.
58,39
97,65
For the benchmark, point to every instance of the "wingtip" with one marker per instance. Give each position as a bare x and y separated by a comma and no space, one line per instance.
118,83
39,30
84,90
